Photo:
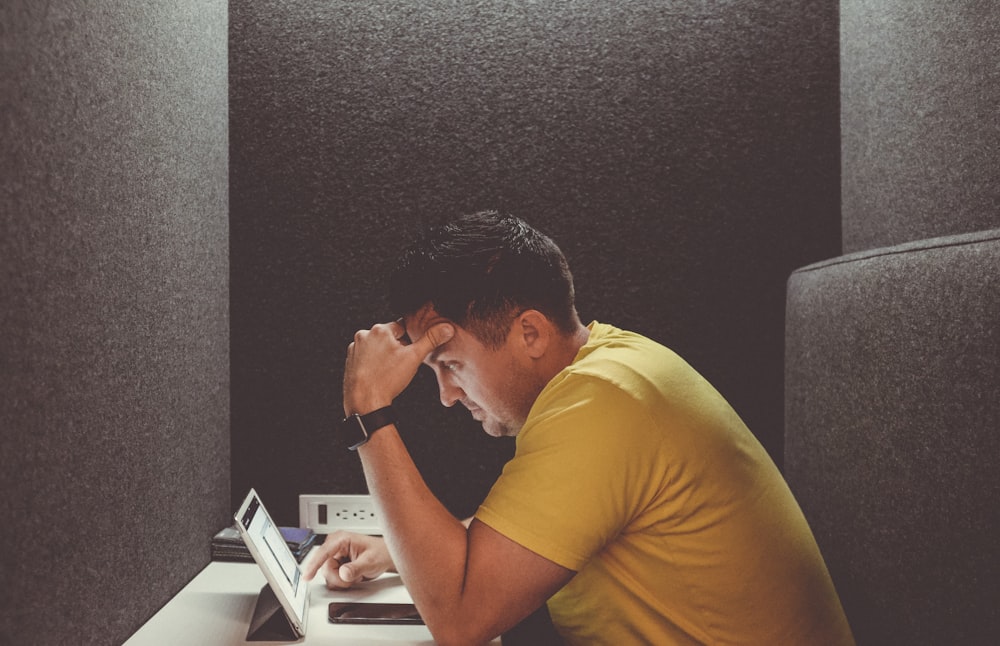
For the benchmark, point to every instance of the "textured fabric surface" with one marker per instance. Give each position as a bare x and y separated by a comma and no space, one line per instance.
893,432
920,119
114,403
684,155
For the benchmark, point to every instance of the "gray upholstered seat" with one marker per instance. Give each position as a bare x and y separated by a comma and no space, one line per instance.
893,434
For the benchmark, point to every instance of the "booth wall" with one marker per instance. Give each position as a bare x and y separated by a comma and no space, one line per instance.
685,155
114,357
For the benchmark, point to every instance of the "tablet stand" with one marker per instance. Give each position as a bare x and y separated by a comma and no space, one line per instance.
269,621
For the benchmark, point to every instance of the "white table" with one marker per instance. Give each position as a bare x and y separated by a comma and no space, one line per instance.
216,607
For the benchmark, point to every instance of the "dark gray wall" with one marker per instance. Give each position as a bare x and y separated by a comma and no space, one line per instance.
921,129
892,382
114,357
684,154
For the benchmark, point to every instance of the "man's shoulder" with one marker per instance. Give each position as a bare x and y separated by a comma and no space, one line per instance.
624,359
629,379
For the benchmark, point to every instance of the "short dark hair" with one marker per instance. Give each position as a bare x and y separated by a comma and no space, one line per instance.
482,270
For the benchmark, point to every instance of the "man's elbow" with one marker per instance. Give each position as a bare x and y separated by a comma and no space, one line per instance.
453,631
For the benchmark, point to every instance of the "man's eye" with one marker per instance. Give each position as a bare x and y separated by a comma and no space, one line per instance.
450,366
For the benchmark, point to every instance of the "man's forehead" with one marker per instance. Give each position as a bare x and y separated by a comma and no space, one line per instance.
418,322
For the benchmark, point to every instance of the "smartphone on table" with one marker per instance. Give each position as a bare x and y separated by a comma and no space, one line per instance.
356,612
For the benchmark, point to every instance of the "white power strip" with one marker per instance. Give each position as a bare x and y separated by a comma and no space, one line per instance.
326,514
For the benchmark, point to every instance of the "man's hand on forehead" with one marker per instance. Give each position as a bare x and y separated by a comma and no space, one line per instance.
437,335
382,362
402,337
423,322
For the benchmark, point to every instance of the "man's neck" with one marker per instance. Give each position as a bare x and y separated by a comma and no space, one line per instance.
566,347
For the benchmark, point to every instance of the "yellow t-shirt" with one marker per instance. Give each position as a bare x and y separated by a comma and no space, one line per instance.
634,472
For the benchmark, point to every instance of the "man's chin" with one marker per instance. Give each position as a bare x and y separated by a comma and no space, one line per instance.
496,429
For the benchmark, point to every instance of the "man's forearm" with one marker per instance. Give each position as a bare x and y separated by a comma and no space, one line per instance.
470,584
428,545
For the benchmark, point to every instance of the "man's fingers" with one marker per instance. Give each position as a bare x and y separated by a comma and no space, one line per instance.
331,574
349,573
434,336
312,563
399,331
341,573
332,548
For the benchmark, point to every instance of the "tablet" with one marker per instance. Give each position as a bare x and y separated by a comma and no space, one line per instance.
269,550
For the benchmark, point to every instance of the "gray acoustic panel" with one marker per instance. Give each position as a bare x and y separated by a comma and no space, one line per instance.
893,431
920,119
114,353
685,154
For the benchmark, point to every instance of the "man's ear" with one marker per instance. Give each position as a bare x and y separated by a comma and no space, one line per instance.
535,331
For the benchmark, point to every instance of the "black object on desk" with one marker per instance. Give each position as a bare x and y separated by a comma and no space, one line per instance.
269,622
368,612
228,545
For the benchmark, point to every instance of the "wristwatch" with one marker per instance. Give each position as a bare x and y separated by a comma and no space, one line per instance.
362,426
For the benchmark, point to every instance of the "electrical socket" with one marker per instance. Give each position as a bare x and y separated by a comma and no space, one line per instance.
325,514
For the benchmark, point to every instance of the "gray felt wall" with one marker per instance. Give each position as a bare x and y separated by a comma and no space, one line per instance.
920,90
114,355
893,351
685,154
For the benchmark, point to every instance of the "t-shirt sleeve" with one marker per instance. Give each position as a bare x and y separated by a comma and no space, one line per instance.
580,473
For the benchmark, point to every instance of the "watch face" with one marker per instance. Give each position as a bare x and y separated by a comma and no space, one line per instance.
362,426
355,430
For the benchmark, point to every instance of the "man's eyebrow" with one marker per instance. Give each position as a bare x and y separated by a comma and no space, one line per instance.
435,353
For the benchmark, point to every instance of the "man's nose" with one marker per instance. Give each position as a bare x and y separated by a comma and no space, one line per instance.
450,393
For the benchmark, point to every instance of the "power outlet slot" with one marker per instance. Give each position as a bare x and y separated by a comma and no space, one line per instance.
325,514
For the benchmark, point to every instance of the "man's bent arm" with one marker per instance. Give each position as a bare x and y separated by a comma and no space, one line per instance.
469,585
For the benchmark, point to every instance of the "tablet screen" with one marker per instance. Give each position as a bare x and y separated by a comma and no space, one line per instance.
265,542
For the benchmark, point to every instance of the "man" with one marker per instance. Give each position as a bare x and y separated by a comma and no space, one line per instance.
637,504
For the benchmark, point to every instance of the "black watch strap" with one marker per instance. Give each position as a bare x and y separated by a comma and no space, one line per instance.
362,426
